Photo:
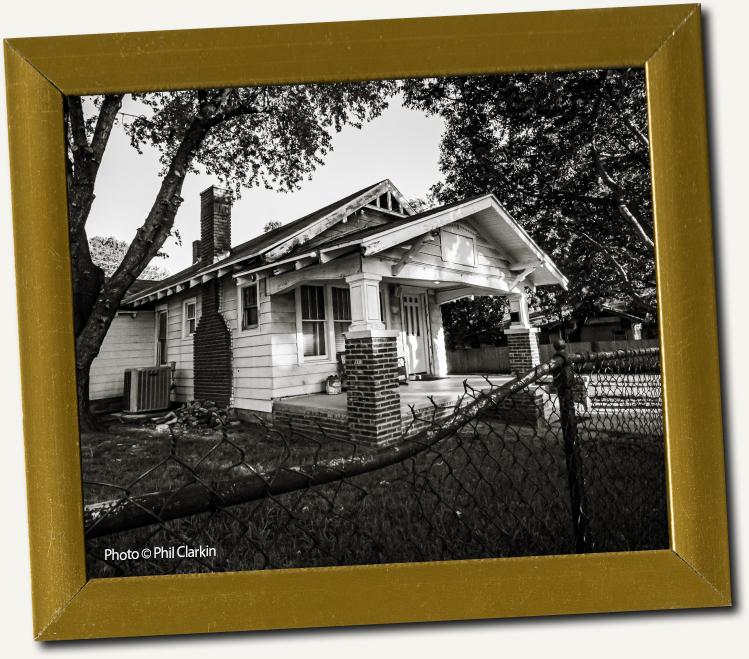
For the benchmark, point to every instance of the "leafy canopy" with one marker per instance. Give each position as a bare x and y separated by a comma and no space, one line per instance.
107,253
568,155
271,136
474,322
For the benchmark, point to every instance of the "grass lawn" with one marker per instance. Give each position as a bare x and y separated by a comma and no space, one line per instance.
494,490
136,459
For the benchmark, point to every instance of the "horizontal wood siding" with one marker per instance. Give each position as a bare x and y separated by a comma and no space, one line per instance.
251,350
489,260
307,377
129,343
266,362
179,350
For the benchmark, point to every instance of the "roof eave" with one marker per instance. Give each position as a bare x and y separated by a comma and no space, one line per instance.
373,244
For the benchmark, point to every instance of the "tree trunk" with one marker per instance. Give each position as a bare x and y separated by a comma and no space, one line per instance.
88,280
148,240
87,421
82,164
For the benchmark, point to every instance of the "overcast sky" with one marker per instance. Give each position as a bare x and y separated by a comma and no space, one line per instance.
401,144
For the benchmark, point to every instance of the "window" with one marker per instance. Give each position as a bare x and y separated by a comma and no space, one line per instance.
312,303
341,316
457,248
323,317
249,307
161,342
190,317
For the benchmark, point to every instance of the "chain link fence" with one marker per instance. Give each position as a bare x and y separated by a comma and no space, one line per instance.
568,458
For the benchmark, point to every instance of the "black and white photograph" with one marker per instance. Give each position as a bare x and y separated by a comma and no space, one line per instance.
366,322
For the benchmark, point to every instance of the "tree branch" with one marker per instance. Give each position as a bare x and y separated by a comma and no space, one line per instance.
77,127
86,158
241,109
641,137
107,114
641,302
624,210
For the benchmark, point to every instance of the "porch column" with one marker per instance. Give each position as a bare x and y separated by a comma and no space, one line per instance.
365,302
373,398
522,339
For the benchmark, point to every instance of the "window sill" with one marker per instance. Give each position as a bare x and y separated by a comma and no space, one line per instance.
317,360
250,331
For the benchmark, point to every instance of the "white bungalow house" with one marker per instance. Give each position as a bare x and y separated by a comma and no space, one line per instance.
250,325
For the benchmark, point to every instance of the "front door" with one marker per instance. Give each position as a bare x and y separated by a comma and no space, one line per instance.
414,306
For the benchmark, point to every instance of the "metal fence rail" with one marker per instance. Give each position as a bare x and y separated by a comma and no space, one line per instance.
568,458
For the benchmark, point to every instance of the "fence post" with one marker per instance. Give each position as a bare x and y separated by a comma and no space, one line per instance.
564,383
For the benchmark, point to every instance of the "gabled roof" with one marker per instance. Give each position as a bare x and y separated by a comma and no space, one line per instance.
295,241
260,245
487,212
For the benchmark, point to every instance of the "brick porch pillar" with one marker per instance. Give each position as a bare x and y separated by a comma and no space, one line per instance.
373,398
522,339
526,407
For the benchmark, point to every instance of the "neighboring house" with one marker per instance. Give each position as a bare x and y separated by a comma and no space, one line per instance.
611,322
365,276
614,323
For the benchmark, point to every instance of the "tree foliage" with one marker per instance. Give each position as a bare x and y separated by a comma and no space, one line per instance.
107,253
270,225
274,137
474,322
261,136
568,155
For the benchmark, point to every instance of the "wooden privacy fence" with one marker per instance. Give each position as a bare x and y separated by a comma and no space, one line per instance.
496,359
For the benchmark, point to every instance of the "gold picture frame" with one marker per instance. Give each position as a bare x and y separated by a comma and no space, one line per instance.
694,572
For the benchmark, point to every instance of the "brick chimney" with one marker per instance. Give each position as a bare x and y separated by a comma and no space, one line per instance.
195,251
215,223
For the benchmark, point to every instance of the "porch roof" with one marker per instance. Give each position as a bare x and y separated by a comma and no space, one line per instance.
485,210
364,250
492,218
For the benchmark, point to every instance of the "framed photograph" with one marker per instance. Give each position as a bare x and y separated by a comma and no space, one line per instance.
370,322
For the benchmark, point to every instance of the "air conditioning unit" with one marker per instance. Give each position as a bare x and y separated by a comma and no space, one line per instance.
147,389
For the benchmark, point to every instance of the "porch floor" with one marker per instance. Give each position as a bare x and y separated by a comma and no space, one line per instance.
443,390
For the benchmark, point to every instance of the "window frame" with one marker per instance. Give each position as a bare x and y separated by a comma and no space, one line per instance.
163,309
240,307
333,321
331,355
185,303
459,234
327,324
